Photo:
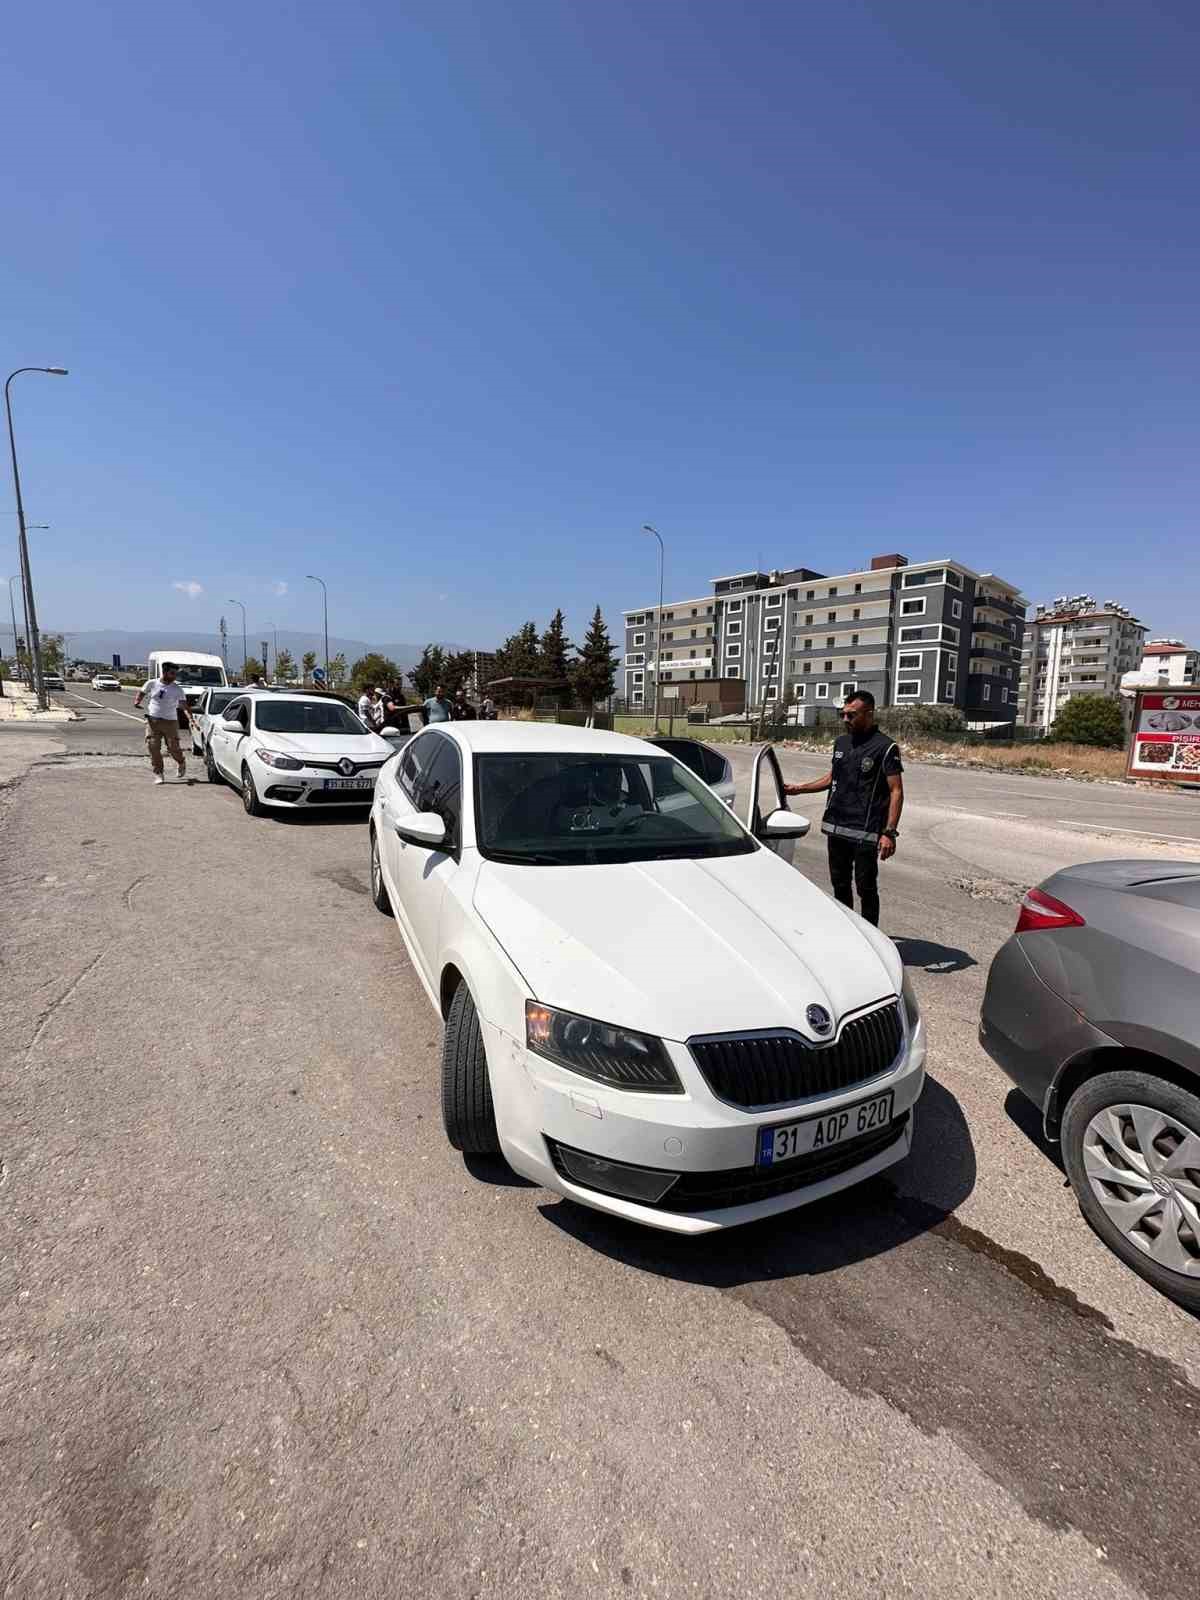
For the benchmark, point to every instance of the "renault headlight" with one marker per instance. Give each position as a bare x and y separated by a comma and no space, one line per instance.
911,1008
615,1056
273,759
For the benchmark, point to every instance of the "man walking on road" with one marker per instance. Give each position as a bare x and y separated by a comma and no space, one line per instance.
866,798
166,708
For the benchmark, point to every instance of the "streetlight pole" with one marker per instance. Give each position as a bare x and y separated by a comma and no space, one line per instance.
245,647
646,528
26,576
325,593
13,613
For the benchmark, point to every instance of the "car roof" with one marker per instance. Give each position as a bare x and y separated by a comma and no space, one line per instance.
547,738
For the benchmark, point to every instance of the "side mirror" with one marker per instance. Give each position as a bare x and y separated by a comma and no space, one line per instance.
783,824
426,828
232,727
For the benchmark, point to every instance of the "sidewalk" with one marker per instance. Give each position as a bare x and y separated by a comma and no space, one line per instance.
19,704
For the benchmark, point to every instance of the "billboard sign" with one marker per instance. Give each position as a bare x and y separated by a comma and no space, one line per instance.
1165,743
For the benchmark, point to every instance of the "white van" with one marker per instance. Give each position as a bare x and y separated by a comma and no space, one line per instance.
197,672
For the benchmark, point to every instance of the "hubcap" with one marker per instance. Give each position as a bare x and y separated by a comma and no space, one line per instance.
1144,1169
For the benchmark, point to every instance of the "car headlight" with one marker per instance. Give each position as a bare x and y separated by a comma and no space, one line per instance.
616,1056
912,1009
274,759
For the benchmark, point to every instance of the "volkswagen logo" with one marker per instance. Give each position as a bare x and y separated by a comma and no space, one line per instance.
819,1020
346,767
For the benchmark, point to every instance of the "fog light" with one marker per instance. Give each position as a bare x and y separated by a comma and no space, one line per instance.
615,1177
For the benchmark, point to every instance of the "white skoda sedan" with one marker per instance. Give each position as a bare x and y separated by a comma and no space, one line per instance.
294,752
646,1010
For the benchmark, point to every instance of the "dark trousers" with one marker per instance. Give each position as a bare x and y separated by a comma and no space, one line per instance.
849,859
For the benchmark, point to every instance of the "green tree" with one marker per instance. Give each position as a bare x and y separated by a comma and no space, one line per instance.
253,669
376,669
518,657
308,661
337,669
52,652
429,671
285,667
1090,719
554,664
596,669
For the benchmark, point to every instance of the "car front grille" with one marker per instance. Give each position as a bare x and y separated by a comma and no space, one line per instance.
332,766
775,1069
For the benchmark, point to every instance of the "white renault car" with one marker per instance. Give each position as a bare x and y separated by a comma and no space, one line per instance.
646,1009
207,711
294,751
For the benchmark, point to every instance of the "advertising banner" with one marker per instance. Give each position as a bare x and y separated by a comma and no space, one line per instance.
1166,735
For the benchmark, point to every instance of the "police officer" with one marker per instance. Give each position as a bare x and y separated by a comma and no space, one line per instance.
866,798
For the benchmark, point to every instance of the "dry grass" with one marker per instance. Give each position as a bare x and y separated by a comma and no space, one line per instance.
1047,760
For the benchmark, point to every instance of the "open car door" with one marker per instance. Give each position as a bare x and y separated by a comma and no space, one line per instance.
768,815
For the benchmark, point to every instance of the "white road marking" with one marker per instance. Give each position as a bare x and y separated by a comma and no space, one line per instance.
1142,833
100,706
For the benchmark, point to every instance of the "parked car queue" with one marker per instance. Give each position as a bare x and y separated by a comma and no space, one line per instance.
689,1079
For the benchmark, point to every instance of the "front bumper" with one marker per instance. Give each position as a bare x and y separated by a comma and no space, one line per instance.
544,1112
305,790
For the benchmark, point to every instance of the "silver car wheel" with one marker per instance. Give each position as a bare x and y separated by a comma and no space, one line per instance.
1144,1168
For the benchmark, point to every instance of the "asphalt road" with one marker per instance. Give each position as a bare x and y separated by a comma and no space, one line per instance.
265,1334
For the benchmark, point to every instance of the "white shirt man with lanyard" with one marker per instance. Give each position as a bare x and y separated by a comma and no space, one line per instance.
166,702
862,818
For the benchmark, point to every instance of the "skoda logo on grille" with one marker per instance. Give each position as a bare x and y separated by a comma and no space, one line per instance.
819,1020
346,767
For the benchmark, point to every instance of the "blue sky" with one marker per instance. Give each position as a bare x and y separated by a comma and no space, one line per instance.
445,301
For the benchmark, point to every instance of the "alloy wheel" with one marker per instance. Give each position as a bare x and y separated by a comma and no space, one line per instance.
1143,1166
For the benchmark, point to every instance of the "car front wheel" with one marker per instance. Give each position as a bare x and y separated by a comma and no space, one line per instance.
253,805
379,894
211,768
1131,1145
467,1111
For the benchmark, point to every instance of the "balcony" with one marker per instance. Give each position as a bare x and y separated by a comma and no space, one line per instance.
999,603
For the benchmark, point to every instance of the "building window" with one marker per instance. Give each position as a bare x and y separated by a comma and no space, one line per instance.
913,608
987,691
636,622
832,590
858,588
735,583
956,609
908,689
808,666
822,691
774,600
909,635
666,677
732,652
909,663
733,672
770,646
852,666
853,638
773,692
639,638
949,634
856,614
810,594
638,697
1003,697
635,658
951,690
771,623
952,578
829,643
831,616
848,689
808,620
732,630
808,644
734,605
769,670
800,690
695,613
829,666
668,616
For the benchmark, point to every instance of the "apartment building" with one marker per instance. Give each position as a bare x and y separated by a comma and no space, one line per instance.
1074,646
1166,661
924,633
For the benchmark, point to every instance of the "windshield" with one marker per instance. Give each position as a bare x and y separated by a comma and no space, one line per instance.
193,676
578,810
305,716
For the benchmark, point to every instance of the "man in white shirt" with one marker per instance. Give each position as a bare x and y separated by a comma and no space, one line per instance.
370,707
165,700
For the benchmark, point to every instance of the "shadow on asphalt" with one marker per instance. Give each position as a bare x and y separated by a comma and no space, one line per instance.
856,1225
933,957
318,818
1026,1117
495,1170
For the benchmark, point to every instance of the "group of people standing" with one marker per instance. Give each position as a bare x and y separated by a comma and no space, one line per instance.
389,708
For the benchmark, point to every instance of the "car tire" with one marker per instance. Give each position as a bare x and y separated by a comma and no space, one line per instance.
468,1114
252,805
1090,1125
379,894
211,769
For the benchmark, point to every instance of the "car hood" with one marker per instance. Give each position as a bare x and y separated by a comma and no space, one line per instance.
327,746
679,948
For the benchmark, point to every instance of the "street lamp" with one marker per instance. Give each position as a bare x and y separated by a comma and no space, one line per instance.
325,593
13,613
26,575
646,528
245,649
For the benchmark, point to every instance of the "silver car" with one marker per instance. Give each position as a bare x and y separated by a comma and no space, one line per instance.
1093,1010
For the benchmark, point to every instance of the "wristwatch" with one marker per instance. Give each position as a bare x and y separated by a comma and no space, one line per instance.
891,833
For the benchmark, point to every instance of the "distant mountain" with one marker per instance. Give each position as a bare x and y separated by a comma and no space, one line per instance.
102,644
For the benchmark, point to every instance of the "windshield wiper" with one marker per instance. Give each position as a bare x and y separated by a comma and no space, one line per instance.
524,858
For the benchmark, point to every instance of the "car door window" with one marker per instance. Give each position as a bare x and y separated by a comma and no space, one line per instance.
714,764
418,755
441,786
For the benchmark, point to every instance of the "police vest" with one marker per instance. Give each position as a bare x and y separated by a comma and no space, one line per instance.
858,799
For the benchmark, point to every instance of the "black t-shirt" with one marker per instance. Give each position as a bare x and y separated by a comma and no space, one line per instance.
858,799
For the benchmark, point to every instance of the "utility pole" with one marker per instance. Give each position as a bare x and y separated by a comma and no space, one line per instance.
35,654
658,633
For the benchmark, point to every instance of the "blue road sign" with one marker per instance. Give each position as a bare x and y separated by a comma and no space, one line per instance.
318,674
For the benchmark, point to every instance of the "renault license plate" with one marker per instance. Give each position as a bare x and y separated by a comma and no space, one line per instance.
349,783
789,1139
